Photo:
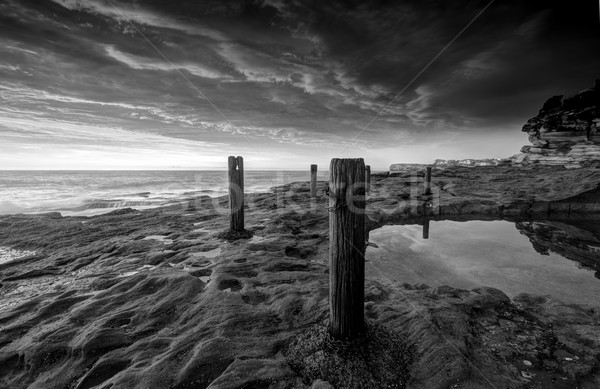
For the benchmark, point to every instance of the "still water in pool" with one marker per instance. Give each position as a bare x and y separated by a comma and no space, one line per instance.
514,258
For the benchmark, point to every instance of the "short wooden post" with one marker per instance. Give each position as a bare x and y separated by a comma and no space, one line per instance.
236,193
426,229
428,181
368,184
346,248
313,181
424,207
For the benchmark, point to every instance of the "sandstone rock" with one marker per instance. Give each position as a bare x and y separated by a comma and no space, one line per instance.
537,142
565,131
195,320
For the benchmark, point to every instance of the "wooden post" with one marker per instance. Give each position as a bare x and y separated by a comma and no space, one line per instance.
313,181
428,181
368,187
236,193
426,229
346,248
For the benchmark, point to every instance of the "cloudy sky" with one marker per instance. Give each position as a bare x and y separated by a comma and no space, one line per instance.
164,84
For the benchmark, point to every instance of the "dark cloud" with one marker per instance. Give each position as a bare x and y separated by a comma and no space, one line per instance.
293,72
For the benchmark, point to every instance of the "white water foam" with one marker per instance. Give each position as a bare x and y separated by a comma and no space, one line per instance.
87,193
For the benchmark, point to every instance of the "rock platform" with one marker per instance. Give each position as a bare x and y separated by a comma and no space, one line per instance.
154,298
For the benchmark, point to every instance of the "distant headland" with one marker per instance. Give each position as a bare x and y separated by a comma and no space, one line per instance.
564,133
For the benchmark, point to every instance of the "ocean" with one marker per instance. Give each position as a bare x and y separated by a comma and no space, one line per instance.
86,193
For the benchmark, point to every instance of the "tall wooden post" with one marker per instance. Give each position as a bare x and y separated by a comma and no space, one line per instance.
313,181
428,181
236,193
368,181
346,248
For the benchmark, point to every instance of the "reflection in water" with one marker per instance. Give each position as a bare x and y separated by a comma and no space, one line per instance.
578,240
426,229
543,258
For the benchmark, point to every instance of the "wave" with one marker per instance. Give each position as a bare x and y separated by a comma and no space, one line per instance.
102,204
88,193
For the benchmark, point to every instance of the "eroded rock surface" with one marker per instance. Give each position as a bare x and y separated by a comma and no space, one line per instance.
138,299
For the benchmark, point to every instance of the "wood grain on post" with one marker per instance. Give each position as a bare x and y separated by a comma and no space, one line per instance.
236,193
313,181
346,248
368,187
428,180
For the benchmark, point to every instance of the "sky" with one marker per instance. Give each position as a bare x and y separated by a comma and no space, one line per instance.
164,84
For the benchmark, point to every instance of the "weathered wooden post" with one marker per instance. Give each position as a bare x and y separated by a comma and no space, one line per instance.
368,181
426,229
428,181
346,248
236,193
313,181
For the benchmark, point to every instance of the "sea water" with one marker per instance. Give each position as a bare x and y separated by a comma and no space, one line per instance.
85,193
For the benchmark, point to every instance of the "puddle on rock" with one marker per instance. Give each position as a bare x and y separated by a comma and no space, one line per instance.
540,258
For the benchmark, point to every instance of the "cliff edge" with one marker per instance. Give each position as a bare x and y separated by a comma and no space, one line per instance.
565,132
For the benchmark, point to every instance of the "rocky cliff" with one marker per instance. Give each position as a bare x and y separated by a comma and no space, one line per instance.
565,132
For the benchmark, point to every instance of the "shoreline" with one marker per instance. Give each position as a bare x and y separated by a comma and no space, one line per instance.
105,301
